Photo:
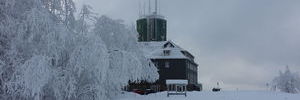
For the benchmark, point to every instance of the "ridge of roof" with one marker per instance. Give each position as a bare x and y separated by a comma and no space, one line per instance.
155,50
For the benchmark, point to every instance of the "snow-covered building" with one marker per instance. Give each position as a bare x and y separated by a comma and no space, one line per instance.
172,61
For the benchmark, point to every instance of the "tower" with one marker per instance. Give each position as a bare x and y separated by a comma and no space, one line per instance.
152,27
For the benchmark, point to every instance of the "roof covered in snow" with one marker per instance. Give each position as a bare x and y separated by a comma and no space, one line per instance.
164,50
176,82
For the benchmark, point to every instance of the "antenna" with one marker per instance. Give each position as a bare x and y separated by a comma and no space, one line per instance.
159,8
155,7
140,9
149,7
144,8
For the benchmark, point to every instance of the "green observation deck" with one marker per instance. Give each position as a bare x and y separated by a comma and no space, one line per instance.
152,28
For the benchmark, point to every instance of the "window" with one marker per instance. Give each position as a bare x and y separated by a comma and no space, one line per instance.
167,52
167,64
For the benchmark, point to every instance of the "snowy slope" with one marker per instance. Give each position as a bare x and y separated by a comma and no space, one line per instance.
225,95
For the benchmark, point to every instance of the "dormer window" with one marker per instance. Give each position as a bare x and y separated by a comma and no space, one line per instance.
167,52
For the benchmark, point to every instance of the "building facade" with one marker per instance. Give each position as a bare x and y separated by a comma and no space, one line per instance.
172,62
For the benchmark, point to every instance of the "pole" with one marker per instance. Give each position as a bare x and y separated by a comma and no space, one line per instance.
155,6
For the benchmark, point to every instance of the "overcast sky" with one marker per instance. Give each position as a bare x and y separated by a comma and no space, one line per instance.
240,43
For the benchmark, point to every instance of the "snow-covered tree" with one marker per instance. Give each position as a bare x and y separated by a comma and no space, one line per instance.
42,59
125,55
86,19
62,10
287,82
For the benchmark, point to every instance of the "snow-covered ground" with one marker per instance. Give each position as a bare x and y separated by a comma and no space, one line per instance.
224,95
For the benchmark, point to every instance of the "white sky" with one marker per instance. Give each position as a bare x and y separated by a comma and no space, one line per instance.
240,43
